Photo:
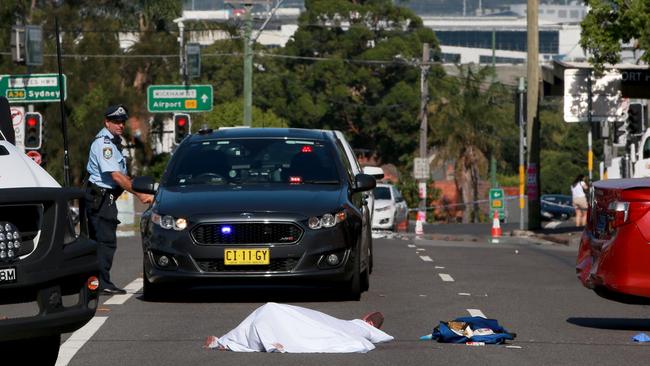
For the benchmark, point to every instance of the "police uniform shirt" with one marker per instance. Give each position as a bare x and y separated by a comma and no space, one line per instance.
105,158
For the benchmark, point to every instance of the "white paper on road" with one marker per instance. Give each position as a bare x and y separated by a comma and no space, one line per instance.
286,328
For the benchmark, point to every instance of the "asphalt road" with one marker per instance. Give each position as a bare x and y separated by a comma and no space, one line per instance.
530,288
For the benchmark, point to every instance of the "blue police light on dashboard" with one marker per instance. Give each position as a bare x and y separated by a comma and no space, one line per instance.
226,230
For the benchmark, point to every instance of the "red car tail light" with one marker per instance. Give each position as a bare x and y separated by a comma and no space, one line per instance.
625,212
619,213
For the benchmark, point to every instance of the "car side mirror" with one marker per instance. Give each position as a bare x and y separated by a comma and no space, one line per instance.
363,182
144,185
375,171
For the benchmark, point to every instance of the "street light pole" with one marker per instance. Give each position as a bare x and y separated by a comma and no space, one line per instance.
424,99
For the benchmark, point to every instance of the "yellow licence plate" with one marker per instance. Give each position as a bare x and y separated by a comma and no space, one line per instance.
259,256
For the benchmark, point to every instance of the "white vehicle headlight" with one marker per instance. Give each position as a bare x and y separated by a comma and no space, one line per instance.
169,222
327,220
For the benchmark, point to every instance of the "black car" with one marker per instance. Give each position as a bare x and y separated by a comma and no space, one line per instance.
259,206
557,206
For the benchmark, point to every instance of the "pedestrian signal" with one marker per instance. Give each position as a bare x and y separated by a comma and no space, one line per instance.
182,124
33,130
193,51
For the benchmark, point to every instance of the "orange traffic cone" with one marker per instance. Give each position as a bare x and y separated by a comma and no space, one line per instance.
496,227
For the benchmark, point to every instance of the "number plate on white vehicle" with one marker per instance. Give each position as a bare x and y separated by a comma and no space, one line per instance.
7,275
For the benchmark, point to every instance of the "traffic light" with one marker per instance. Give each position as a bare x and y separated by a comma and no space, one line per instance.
17,43
635,118
193,51
33,130
34,45
182,126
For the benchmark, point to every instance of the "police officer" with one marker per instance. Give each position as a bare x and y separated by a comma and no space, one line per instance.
107,179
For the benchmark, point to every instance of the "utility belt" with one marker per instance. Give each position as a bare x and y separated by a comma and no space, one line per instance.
99,194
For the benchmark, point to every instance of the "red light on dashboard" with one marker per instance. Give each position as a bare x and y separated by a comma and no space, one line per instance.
307,149
295,179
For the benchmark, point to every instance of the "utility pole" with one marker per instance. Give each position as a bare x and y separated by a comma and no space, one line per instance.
522,173
248,66
590,153
424,99
532,120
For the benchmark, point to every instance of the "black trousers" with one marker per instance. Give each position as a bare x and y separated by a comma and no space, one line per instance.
101,211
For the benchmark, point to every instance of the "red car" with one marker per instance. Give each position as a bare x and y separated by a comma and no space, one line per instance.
614,254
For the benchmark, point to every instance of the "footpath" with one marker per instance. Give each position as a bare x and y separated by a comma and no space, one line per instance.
559,233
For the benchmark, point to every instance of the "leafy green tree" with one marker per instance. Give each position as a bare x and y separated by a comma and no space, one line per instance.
610,23
376,105
231,114
464,130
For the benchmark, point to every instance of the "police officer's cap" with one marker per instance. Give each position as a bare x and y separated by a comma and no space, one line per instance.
117,113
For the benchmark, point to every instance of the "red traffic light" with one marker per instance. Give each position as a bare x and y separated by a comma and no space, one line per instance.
181,122
32,122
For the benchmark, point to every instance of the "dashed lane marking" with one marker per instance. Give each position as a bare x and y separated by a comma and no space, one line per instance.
464,294
426,258
70,347
439,267
445,277
131,289
411,246
476,312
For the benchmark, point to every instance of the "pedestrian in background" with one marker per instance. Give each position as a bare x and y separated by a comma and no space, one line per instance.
107,179
579,188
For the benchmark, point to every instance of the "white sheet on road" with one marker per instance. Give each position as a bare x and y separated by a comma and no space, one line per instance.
286,328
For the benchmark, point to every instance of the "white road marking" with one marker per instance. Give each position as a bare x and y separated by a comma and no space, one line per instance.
420,249
411,246
131,289
426,258
73,344
439,267
464,294
476,312
445,277
125,234
552,224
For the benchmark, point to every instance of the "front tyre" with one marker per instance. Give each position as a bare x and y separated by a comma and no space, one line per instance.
150,291
34,351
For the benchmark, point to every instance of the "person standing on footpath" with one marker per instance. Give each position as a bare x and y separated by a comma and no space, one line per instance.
578,192
107,179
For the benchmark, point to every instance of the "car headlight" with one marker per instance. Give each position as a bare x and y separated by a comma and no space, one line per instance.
382,209
169,222
326,221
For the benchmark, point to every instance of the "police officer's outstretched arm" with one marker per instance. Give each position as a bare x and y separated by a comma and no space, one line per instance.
124,181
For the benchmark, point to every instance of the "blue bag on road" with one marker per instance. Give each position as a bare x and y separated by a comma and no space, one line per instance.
471,329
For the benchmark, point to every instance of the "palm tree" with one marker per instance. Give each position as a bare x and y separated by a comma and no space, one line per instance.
464,129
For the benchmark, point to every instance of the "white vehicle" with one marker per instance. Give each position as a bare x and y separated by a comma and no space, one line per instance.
44,259
390,207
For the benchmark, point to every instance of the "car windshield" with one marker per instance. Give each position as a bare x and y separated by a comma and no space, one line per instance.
381,193
251,161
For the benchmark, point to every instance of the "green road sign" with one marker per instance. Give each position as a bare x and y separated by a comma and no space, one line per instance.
179,98
32,88
498,202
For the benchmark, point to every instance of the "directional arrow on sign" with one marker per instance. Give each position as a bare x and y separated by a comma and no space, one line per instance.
204,98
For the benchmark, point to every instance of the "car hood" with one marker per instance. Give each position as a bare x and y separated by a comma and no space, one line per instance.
302,200
383,203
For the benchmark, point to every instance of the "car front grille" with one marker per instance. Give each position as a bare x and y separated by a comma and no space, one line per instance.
247,233
276,265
